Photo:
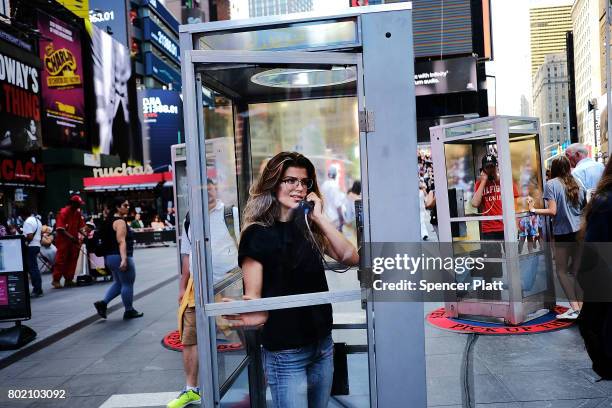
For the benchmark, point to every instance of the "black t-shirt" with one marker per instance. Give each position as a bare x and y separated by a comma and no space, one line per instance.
109,238
291,266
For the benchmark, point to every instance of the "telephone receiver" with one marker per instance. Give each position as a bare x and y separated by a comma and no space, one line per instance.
306,206
491,178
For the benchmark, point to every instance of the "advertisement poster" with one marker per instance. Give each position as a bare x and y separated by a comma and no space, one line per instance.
112,86
62,83
445,76
20,114
162,119
111,17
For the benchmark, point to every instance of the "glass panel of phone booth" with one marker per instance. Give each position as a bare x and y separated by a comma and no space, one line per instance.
222,192
181,187
288,112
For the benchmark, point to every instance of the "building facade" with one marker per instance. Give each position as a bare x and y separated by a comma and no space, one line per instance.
260,8
548,26
155,45
551,99
585,26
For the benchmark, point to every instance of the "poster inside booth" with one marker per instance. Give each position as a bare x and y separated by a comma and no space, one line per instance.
14,295
62,83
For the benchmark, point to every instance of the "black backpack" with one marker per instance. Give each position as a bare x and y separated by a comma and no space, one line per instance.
96,243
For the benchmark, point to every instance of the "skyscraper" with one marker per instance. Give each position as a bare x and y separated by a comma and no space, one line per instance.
548,27
550,98
585,22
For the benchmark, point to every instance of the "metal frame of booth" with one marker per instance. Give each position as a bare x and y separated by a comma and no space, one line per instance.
379,47
519,305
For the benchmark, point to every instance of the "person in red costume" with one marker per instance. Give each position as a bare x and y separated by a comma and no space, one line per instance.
70,227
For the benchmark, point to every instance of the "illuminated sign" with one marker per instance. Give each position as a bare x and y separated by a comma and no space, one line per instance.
61,67
445,76
154,66
110,16
154,33
124,170
63,97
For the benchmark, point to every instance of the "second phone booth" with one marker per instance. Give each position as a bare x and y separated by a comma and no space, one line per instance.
518,256
339,89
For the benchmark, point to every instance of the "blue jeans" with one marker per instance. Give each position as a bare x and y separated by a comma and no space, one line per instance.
34,271
123,281
301,377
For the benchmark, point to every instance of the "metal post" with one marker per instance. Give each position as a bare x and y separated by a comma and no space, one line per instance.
608,73
595,126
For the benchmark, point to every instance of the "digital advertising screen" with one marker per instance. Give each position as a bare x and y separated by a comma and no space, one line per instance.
19,103
14,296
445,76
62,83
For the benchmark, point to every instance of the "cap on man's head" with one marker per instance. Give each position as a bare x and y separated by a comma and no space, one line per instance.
488,160
75,198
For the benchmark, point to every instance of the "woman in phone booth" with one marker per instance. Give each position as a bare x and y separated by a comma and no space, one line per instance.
280,255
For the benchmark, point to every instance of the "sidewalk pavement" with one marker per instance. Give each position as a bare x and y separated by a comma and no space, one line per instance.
105,358
62,311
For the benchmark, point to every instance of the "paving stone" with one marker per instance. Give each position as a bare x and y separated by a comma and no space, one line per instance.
549,385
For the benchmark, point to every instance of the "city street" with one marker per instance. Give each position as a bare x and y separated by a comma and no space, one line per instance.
117,363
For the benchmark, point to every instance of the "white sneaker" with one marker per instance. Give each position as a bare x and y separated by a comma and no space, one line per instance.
569,314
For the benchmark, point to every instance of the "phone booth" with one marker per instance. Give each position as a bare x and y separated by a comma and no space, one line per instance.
339,89
512,241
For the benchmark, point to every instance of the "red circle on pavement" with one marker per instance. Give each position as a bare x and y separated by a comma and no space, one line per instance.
172,341
542,324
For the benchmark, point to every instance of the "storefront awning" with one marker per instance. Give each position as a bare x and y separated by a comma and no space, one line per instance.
133,182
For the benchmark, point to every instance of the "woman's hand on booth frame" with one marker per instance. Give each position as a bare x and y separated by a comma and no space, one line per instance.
250,320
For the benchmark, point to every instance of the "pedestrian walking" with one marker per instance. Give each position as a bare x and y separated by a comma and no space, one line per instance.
70,227
586,170
565,200
32,229
333,198
187,326
118,241
596,314
279,257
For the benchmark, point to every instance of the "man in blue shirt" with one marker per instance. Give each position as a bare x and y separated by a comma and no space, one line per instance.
585,169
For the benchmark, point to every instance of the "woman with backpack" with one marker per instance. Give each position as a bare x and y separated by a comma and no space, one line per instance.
118,241
565,200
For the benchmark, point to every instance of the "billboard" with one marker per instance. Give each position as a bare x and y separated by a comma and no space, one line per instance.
157,68
112,70
63,98
111,16
161,39
445,76
162,123
20,116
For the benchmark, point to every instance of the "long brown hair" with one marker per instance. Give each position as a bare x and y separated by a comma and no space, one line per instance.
561,168
604,185
263,208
